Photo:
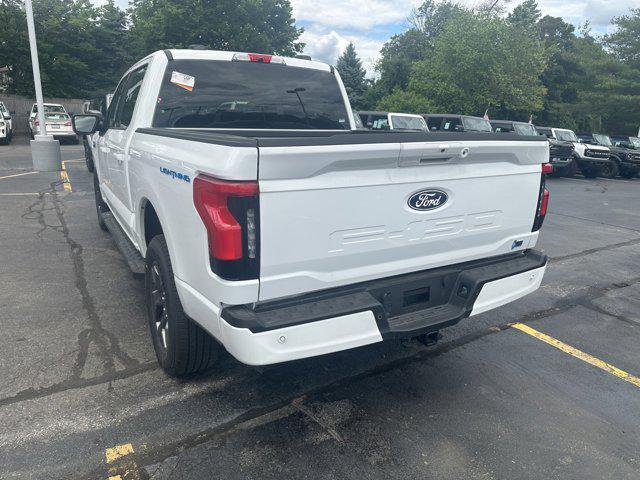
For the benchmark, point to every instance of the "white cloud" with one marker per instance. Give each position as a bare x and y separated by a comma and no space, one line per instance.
598,12
326,45
353,14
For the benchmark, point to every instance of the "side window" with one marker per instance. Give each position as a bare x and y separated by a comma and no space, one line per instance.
113,106
124,99
434,124
129,97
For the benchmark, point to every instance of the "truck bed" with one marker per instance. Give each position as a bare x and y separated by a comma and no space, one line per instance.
301,138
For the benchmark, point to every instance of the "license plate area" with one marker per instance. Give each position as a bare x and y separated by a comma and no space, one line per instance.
415,297
410,296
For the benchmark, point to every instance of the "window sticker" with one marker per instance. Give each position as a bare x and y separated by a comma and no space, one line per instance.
183,80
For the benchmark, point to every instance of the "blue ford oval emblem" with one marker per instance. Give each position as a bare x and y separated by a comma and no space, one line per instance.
428,200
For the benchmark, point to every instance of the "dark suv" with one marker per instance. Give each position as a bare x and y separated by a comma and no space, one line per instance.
456,123
623,141
624,161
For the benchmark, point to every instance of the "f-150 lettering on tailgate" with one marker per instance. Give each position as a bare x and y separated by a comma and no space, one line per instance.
416,231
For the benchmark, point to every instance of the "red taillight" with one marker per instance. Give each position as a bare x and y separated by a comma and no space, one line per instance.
260,58
257,58
545,203
67,123
543,198
36,122
211,197
229,211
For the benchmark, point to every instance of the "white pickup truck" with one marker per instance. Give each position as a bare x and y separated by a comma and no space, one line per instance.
262,221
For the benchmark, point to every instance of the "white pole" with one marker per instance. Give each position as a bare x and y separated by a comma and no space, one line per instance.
36,66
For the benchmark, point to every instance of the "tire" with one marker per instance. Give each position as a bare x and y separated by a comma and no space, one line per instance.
628,173
101,206
571,169
182,347
88,159
610,170
589,172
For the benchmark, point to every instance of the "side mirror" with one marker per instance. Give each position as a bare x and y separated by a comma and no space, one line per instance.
85,124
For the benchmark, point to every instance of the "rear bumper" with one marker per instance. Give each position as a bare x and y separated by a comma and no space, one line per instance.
397,307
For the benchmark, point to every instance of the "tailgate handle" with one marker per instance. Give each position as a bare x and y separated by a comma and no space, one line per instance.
434,159
442,154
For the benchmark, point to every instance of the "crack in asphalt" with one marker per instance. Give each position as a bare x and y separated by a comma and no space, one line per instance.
591,251
106,341
595,221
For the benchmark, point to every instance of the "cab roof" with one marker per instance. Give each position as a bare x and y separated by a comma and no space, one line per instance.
219,55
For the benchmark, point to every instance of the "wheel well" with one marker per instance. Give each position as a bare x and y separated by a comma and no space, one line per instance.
152,225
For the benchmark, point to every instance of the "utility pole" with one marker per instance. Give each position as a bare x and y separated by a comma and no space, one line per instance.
45,151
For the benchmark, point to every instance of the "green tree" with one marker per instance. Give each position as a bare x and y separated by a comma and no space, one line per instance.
401,51
624,42
526,16
82,48
264,26
479,62
407,101
350,68
14,45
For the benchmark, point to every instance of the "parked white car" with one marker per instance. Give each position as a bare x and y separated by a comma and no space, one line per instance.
6,125
58,122
262,221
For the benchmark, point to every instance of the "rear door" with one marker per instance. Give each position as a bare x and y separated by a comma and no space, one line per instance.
333,215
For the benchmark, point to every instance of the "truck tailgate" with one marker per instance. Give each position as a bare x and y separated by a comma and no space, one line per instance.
342,214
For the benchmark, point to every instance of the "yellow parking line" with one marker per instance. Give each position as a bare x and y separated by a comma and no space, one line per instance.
119,451
585,357
17,175
129,469
65,178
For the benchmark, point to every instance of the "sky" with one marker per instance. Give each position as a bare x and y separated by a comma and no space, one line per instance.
331,24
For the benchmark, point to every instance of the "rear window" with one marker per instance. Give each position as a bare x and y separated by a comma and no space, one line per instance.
566,136
525,129
477,124
502,127
249,95
402,122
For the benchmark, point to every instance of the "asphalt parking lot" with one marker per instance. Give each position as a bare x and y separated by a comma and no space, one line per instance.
543,388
